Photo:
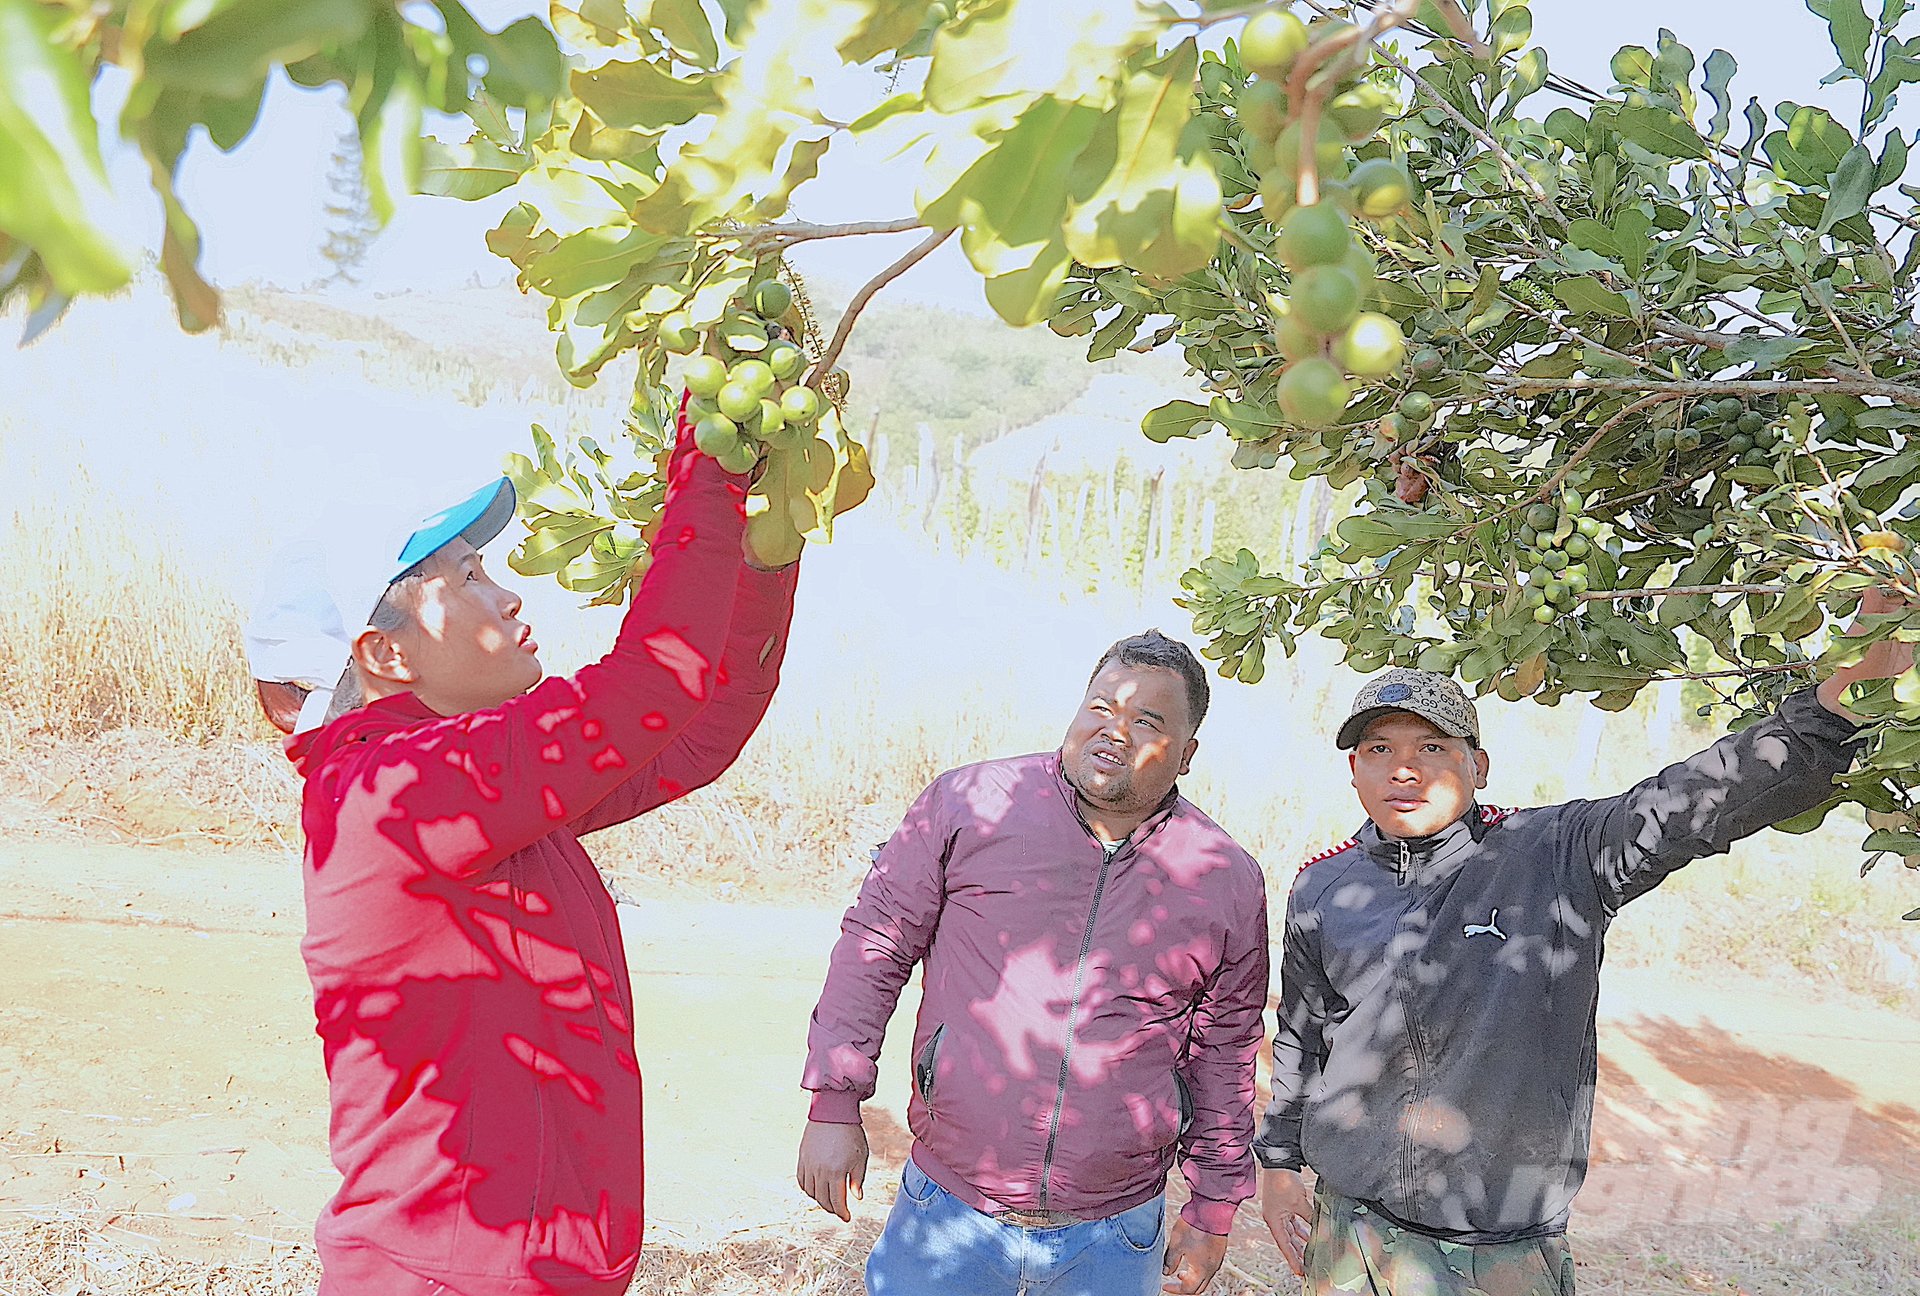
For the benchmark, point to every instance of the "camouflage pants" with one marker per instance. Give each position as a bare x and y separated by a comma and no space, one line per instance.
1354,1250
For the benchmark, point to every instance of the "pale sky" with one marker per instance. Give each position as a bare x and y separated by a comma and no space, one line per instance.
260,207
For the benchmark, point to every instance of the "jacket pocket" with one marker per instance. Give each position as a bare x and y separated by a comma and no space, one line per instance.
1185,1097
923,1073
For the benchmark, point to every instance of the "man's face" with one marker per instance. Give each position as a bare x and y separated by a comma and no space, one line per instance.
1130,739
464,646
1413,779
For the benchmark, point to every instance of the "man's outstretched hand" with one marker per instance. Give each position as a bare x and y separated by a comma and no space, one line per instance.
833,1166
1884,660
1193,1258
1286,1204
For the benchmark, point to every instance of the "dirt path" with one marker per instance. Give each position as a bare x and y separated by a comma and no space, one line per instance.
157,1059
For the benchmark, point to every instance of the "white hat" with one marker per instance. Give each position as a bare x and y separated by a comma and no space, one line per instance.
322,587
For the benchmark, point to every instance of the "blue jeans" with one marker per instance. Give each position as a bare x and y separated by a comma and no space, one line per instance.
934,1244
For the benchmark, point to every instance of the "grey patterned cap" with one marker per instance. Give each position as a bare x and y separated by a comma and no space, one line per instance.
1431,696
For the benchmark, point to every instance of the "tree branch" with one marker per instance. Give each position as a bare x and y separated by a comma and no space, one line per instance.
860,299
1622,595
780,237
1863,385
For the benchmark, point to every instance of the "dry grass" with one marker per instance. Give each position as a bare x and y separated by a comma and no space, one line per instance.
100,632
83,1251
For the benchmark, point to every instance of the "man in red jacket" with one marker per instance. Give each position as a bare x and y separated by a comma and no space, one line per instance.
469,981
1095,965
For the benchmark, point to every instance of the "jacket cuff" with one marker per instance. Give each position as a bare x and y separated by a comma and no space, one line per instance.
1279,1156
1209,1214
835,1107
1804,714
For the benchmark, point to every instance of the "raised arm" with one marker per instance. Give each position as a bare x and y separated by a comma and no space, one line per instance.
1750,780
713,740
547,757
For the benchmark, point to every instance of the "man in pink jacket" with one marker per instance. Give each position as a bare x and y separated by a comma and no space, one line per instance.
1095,966
469,981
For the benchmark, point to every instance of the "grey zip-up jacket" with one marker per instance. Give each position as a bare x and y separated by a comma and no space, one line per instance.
1435,1053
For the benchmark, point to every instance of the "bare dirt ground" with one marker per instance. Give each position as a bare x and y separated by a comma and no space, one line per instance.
163,1116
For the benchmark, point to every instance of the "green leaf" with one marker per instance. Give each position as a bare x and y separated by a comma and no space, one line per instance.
1899,64
1886,839
1510,30
1009,205
1529,74
468,171
737,15
1850,28
684,24
1893,161
53,187
1064,48
390,143
591,259
1179,418
1584,296
1660,131
1765,352
1809,149
1024,296
229,121
1852,185
524,65
239,42
803,164
1720,67
889,25
595,140
1158,209
643,95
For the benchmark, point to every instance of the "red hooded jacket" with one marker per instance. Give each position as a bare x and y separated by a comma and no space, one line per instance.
469,980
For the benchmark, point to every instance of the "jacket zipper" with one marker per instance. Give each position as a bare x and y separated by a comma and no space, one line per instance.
1415,1049
1406,864
1073,1021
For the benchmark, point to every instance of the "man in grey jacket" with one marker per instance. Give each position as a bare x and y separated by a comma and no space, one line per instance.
1435,1060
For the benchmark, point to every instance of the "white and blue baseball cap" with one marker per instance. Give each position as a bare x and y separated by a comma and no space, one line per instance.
322,587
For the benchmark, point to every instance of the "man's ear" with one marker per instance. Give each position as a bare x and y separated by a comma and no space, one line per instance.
1353,768
380,657
1186,757
1481,764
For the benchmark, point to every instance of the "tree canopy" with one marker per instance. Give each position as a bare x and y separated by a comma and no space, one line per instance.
1623,381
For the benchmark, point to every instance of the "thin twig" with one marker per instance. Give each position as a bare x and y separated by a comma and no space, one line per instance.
1516,174
1574,333
860,299
1566,470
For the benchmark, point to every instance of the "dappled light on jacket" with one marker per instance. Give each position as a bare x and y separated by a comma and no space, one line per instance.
1084,1019
470,986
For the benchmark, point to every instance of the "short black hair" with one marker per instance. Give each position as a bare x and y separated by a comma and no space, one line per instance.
1152,648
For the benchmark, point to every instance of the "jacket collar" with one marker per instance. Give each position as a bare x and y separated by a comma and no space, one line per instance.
1070,797
1410,858
310,750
